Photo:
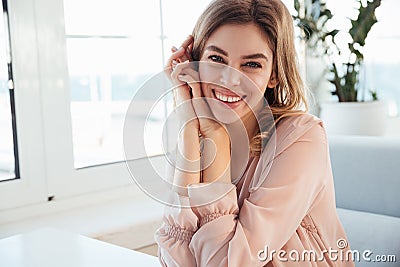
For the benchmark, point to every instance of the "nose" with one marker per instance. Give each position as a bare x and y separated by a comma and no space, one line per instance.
230,77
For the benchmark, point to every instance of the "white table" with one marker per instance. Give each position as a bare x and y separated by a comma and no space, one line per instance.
51,248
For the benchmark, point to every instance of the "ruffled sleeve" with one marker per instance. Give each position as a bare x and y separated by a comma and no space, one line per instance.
182,219
173,237
179,225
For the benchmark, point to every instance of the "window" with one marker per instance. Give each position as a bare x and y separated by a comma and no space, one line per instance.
109,57
381,59
9,168
382,62
26,110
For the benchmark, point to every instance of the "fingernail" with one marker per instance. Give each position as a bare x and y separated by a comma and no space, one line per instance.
180,48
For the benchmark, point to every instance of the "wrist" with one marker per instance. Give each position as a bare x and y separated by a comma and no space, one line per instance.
216,157
218,134
191,125
220,138
189,145
187,169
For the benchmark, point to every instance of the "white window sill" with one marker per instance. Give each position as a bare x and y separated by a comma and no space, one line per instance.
123,216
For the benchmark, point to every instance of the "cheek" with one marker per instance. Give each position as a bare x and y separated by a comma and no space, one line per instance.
210,72
261,82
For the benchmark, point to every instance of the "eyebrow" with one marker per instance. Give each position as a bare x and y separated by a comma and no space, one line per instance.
223,52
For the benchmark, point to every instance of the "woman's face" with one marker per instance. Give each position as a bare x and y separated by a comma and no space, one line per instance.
235,71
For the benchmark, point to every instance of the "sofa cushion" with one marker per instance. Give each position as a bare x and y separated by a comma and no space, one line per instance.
366,173
367,231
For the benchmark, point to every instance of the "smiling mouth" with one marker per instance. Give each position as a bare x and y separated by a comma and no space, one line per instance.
227,98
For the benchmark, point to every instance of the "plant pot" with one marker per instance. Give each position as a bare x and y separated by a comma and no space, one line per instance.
354,118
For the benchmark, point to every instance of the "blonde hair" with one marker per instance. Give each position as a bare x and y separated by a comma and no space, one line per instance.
274,19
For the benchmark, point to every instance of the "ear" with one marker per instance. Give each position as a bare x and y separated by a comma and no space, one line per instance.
273,81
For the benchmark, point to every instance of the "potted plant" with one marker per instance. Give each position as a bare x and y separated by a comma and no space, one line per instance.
350,114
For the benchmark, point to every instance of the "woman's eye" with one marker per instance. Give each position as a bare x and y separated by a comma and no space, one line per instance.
216,58
253,65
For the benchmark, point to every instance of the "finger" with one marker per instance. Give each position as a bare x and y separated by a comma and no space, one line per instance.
174,64
196,90
194,84
178,55
180,68
189,77
189,50
187,42
188,54
200,105
183,53
182,93
183,102
186,46
178,76
186,69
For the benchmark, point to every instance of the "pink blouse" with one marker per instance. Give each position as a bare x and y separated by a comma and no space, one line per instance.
290,219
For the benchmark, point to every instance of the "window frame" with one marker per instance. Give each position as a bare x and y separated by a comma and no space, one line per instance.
30,187
46,161
63,178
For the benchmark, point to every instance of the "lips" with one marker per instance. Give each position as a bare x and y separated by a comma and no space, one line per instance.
229,98
226,98
225,92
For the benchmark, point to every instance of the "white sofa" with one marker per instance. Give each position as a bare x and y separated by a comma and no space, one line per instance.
367,182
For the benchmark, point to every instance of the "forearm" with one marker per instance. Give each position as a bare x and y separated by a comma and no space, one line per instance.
187,170
216,156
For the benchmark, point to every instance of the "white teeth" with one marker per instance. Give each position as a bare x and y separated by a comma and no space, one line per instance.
225,98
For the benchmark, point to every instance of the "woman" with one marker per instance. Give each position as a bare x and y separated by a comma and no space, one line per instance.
273,206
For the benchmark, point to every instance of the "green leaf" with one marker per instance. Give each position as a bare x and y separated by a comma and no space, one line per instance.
365,20
297,5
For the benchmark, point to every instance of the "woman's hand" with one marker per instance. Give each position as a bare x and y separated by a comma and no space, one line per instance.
187,169
177,65
196,115
216,147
